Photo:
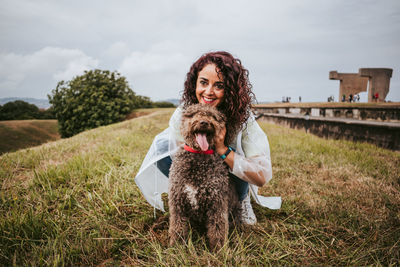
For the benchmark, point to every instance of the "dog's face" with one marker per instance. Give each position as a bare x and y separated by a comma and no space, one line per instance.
200,124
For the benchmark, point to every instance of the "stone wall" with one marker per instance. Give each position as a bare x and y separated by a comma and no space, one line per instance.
386,135
386,114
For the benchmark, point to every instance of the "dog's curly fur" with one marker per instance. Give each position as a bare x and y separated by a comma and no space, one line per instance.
200,191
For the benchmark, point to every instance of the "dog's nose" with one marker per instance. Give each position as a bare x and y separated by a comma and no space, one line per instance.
203,123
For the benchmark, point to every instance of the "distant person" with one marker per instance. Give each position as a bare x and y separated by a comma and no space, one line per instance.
300,99
220,80
350,98
344,98
376,97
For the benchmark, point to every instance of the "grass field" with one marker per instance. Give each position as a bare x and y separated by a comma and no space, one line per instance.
19,134
74,202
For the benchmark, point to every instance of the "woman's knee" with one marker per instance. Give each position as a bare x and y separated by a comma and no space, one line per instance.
242,187
164,165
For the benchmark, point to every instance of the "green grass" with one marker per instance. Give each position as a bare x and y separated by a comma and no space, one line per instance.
74,202
20,134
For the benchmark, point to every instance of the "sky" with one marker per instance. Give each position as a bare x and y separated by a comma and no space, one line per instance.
289,47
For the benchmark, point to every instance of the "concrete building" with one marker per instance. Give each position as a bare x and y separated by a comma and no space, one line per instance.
379,82
354,83
350,83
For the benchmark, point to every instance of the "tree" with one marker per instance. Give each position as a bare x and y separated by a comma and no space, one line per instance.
144,102
96,98
46,114
18,110
163,104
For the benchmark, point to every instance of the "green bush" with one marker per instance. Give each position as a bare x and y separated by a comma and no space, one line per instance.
144,102
19,110
91,100
163,104
46,114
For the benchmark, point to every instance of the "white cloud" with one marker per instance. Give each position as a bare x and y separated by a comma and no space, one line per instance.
117,50
138,63
21,71
157,72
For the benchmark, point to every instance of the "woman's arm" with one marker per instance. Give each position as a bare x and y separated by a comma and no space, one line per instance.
248,170
255,169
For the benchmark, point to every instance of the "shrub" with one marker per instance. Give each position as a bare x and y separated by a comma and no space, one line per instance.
163,104
144,102
18,110
46,114
96,98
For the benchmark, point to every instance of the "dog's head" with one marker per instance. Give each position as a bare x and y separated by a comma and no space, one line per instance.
200,124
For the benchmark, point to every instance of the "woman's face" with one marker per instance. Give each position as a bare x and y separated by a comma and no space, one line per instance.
209,87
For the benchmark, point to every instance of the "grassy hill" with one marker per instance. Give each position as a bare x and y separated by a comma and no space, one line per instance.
74,202
19,134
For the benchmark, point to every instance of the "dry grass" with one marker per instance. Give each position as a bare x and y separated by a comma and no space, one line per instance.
26,133
19,134
139,113
346,193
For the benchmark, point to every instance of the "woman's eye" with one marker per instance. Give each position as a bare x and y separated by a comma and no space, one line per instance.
203,82
220,86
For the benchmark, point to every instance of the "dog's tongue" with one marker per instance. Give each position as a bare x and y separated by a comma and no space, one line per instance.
202,141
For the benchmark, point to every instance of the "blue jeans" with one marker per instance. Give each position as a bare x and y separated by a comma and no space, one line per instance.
242,187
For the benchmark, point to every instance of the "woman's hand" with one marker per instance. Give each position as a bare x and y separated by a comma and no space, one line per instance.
220,147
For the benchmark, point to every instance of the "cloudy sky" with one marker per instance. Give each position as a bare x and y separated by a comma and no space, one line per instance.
289,47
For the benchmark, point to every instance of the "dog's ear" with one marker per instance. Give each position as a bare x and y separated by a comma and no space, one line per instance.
188,112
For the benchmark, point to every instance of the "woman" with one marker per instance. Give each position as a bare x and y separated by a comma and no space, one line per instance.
220,80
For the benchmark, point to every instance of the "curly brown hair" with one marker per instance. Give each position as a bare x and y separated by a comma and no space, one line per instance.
238,95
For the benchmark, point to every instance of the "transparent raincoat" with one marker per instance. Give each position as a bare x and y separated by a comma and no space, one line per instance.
252,155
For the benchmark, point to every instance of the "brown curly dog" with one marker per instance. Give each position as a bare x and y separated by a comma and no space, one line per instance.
200,191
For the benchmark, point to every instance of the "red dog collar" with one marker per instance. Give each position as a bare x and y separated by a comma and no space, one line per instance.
208,152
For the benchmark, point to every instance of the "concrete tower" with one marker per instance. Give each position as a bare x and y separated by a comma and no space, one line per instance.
350,83
379,81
